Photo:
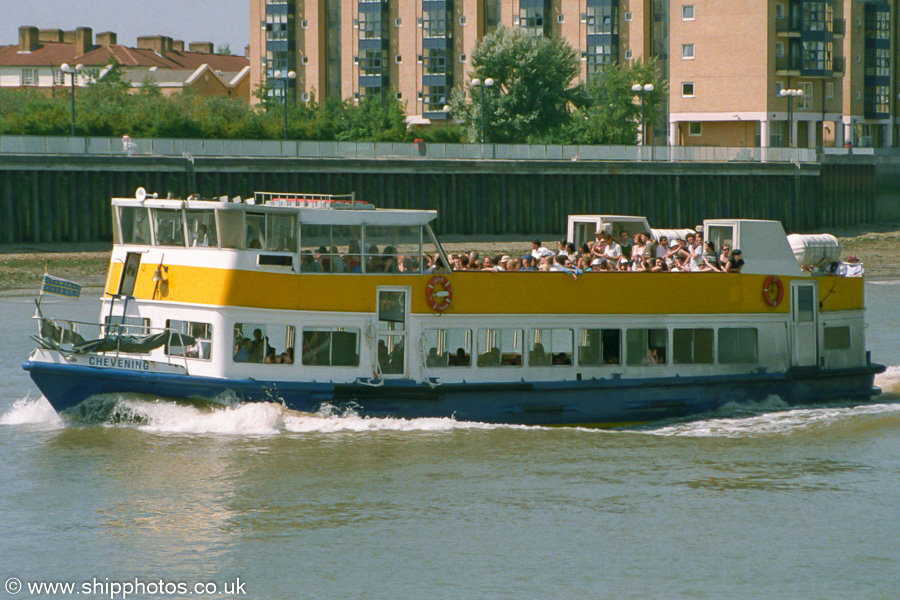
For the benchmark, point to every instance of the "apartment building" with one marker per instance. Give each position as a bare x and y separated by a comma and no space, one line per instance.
755,73
421,50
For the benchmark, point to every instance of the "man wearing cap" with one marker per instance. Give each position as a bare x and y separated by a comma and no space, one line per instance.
851,267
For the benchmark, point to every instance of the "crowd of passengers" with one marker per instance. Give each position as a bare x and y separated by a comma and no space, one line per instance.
610,253
256,349
606,253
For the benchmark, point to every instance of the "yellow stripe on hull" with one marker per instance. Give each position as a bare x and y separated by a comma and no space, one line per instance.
488,293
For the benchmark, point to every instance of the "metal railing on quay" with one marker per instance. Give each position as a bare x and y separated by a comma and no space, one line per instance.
197,148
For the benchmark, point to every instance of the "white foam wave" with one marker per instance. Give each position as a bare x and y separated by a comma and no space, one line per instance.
26,411
267,418
773,423
889,381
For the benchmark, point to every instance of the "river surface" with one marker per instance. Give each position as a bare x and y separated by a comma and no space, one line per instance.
254,501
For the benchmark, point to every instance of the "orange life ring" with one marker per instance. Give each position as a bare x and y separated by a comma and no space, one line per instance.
773,291
440,300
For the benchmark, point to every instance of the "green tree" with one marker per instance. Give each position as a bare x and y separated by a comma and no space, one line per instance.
611,111
374,119
532,92
224,49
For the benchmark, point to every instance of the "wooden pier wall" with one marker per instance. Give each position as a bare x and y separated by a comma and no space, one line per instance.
64,198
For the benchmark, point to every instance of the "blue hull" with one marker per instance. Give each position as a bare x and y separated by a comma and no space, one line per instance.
607,402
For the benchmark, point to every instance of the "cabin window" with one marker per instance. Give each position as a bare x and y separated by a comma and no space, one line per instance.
255,232
550,347
127,325
646,346
201,226
448,347
499,347
134,224
738,345
393,249
331,346
692,346
599,347
330,249
249,342
169,227
231,228
281,233
202,334
721,234
837,338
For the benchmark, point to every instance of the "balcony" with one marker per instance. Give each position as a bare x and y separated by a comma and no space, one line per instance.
787,65
840,27
838,65
788,26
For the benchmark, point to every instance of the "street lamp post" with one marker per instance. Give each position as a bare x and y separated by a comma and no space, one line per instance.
65,68
643,90
287,76
790,94
486,84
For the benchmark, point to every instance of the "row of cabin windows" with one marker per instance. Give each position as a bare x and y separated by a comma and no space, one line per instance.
339,346
323,248
595,347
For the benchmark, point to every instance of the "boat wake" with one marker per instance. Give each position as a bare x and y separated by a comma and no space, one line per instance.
28,411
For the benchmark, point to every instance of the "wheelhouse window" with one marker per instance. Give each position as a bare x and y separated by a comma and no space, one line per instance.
550,347
331,346
499,347
448,347
201,332
738,345
201,226
134,225
168,227
646,346
599,347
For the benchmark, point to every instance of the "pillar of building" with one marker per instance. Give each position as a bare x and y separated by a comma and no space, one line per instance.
764,134
838,135
673,133
888,135
811,131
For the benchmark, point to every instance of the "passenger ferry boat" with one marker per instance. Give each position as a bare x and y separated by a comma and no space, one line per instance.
324,300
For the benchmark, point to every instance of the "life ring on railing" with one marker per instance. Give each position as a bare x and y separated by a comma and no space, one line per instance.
439,300
773,291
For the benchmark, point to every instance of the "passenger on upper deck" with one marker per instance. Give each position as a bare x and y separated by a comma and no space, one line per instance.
538,251
201,239
625,244
851,268
735,263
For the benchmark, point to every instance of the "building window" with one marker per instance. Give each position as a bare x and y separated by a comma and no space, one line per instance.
371,62
779,49
434,23
372,26
602,20
687,12
304,96
695,129
817,56
806,100
434,97
462,20
398,59
628,54
628,17
687,90
462,58
435,61
829,89
29,76
304,24
304,60
779,11
560,18
398,22
399,95
531,19
599,56
687,51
